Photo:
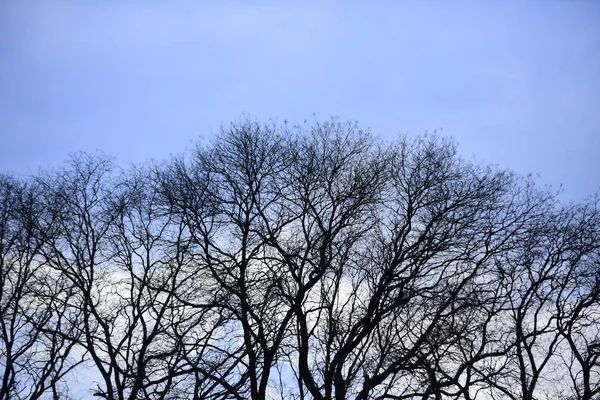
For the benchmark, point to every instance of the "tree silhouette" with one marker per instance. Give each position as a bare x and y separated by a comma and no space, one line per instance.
298,262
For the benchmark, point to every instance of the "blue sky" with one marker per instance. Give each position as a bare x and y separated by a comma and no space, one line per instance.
515,82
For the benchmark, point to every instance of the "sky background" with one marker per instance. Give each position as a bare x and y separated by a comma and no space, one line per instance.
517,83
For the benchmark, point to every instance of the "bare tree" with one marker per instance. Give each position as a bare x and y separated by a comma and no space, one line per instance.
34,322
577,298
231,203
128,259
403,289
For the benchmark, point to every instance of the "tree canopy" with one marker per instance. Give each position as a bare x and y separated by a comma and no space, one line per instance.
297,262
